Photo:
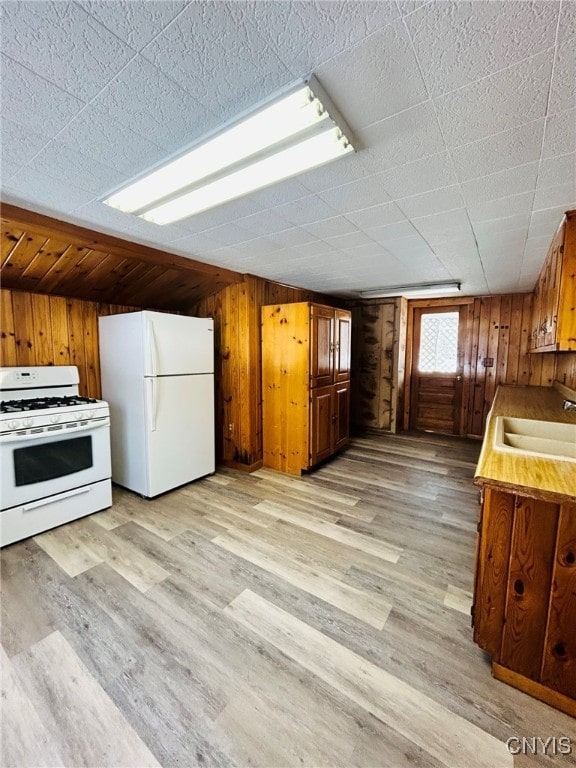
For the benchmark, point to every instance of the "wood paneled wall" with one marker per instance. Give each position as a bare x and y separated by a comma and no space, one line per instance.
50,330
496,352
378,354
236,314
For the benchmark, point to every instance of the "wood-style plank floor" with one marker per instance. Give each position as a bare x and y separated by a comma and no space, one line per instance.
265,620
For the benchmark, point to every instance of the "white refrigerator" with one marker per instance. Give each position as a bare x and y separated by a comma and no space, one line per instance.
158,378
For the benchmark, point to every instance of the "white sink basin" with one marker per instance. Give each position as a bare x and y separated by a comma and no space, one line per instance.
529,437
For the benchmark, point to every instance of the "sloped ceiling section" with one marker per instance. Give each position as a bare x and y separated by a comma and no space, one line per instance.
44,255
464,113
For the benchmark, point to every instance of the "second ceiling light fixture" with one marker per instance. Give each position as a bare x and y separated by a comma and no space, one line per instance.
293,133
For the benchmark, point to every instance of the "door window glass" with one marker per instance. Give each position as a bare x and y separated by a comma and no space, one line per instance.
439,343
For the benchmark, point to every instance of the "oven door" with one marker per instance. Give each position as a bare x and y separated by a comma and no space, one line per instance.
37,465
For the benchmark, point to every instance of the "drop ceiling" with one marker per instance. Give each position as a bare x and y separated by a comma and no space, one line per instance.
464,115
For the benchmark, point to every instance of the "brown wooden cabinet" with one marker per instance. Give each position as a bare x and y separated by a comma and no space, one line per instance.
524,610
554,298
305,384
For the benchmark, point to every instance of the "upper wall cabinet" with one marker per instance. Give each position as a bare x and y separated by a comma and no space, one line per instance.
554,305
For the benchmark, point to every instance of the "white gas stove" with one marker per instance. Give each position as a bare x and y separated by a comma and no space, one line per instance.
54,451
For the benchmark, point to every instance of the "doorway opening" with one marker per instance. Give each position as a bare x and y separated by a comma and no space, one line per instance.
438,336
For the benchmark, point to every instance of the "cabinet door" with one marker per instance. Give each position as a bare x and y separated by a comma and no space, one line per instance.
559,663
321,424
341,414
493,556
321,346
342,344
529,585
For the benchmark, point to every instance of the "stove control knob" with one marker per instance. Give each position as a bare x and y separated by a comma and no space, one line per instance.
82,416
90,415
14,424
56,418
28,422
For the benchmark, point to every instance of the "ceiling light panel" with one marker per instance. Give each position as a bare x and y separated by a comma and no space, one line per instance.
413,290
283,138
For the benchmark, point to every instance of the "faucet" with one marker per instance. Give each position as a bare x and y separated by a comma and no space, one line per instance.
569,405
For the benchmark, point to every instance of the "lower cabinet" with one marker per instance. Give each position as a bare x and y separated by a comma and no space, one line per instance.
329,420
524,611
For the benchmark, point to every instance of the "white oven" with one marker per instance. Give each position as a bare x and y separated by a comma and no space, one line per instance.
54,452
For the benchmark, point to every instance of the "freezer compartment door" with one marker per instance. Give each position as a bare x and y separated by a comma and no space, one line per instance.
175,345
180,430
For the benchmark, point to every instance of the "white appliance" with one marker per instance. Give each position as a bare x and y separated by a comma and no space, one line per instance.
54,451
158,377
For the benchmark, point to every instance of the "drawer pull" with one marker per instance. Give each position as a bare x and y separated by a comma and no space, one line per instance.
559,651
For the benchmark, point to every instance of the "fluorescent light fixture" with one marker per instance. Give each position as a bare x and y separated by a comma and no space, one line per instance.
281,139
418,289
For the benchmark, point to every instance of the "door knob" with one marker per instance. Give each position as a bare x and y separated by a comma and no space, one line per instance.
458,378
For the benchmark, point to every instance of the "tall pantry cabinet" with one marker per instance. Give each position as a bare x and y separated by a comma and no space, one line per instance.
305,384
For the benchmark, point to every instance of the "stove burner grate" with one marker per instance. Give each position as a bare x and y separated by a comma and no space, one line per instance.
42,403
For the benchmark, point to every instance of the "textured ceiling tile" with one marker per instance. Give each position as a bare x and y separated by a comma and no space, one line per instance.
394,83
42,98
306,210
563,89
502,208
330,227
370,250
20,143
557,170
512,181
8,170
153,105
550,197
545,223
385,235
508,149
460,42
105,219
94,133
60,162
226,65
264,223
306,33
348,168
403,138
37,189
63,44
421,176
428,203
567,25
356,195
376,216
135,23
220,237
495,226
349,240
560,135
292,237
313,248
443,226
497,103
409,6
502,241
536,247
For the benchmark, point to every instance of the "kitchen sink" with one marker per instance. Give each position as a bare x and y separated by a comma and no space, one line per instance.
530,437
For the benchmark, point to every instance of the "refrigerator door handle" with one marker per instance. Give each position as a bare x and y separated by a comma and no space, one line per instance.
152,348
152,404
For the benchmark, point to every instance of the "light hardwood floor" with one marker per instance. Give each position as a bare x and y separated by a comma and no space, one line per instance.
265,620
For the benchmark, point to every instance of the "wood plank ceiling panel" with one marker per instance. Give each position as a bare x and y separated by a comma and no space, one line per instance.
49,256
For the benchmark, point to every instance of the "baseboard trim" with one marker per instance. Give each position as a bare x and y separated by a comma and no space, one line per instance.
536,690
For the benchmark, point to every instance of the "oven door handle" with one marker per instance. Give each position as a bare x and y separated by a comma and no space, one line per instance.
58,497
90,427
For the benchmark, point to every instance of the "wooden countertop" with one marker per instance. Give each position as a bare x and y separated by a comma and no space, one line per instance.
532,475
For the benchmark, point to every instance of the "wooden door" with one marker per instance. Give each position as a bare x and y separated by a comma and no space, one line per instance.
342,344
321,346
437,369
321,426
553,289
341,416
